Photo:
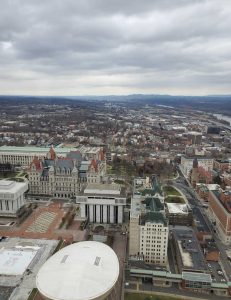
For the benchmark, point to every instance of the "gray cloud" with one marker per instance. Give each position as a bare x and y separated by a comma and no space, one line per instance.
106,46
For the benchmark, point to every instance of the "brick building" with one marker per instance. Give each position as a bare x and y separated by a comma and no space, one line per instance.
220,211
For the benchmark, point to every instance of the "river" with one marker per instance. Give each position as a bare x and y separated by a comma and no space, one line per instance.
222,117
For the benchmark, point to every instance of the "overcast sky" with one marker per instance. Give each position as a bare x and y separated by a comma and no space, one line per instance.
102,47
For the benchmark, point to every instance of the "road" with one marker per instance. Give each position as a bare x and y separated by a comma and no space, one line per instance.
203,222
174,290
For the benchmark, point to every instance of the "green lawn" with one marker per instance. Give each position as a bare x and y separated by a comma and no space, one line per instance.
174,199
170,190
8,175
18,179
118,181
134,296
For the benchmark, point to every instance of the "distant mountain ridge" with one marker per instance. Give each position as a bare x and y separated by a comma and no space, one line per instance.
211,103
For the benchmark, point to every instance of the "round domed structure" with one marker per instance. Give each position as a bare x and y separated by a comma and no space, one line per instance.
82,271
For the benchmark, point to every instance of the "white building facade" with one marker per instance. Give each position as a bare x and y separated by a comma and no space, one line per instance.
154,241
11,197
24,155
148,229
102,203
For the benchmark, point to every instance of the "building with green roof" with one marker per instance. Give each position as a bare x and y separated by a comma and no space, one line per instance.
149,225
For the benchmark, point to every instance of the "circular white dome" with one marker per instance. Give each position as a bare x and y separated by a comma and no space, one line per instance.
81,271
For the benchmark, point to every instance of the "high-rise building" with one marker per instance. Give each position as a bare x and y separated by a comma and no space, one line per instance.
149,225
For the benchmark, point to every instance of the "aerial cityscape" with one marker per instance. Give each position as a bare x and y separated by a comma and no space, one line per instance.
115,150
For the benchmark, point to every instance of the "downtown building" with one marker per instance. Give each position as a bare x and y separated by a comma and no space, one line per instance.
102,203
187,163
63,177
12,197
220,213
148,225
23,156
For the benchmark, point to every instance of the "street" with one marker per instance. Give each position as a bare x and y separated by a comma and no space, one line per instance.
202,220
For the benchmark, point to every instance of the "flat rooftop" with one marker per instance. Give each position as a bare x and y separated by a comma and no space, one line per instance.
33,149
177,208
137,206
9,186
20,260
199,277
15,261
90,150
98,189
189,248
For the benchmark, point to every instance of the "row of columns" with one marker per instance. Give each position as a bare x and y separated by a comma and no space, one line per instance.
97,213
11,206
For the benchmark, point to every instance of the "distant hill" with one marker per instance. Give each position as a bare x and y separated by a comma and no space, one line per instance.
213,103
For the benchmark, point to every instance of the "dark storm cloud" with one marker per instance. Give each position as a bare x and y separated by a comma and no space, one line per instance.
90,46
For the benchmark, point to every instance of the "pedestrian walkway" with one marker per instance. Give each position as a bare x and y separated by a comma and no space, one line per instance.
42,223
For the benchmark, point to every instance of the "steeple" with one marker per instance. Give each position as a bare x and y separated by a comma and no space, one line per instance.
74,170
195,163
51,154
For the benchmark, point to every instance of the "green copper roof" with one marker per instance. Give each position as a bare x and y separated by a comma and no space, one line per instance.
156,186
153,204
154,217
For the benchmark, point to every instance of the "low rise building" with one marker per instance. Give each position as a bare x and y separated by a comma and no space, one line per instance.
187,163
187,249
12,197
203,189
102,203
194,137
179,214
23,156
222,164
200,175
20,260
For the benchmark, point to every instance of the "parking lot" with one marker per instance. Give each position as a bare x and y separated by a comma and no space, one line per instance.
216,272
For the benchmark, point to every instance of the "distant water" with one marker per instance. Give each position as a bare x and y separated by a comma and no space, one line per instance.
222,117
167,106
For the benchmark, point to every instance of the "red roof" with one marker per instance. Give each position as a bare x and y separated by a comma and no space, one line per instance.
94,164
204,173
37,163
101,155
52,153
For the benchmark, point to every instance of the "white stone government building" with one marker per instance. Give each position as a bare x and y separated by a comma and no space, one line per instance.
11,197
102,203
23,156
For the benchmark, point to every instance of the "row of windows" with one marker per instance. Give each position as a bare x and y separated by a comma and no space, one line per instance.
154,261
153,257
153,237
157,251
154,246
